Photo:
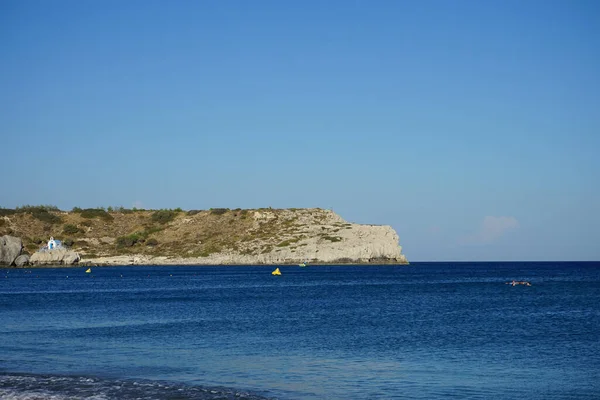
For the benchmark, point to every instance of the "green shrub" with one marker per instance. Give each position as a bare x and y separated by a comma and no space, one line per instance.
218,211
43,213
209,250
150,230
193,212
76,210
68,242
127,241
31,209
151,242
101,213
45,216
7,211
31,247
286,243
164,216
332,238
70,229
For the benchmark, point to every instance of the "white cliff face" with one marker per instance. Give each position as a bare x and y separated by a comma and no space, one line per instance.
306,235
326,237
352,243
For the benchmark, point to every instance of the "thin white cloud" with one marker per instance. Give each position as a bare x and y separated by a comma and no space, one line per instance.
492,228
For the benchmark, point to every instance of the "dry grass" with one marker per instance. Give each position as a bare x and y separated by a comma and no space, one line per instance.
194,234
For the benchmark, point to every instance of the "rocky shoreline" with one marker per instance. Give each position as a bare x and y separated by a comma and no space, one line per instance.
12,254
11,249
200,262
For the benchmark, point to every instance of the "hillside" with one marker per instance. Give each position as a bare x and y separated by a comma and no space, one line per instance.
215,236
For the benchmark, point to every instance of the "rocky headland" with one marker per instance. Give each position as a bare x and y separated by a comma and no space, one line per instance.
196,237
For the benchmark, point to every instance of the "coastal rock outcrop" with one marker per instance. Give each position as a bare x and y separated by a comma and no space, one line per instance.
10,249
22,260
217,236
54,257
313,236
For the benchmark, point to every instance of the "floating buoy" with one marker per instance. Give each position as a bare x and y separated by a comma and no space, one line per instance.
276,272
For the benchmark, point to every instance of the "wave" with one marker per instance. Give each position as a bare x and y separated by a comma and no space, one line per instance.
14,386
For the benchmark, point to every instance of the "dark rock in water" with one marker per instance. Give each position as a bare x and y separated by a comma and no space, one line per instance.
22,260
10,249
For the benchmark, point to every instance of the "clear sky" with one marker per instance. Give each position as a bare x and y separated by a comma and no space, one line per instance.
471,127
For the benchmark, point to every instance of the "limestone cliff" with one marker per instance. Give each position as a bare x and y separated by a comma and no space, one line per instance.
213,237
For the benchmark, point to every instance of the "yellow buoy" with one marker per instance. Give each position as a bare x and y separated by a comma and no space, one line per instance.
87,271
276,272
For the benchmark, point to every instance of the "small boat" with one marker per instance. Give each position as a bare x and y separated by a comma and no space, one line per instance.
302,265
87,271
276,272
515,283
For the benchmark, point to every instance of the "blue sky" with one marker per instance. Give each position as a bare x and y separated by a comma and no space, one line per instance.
471,127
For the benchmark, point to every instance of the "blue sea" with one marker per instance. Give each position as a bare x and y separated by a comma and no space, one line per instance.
424,331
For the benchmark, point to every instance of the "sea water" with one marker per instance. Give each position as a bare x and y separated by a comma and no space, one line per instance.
424,331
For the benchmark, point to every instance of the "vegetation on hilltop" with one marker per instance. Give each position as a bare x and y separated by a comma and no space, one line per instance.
44,213
170,232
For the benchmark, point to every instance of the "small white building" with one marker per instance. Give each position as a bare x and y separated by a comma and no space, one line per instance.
53,244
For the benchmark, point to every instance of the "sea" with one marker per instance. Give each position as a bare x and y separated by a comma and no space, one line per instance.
422,331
